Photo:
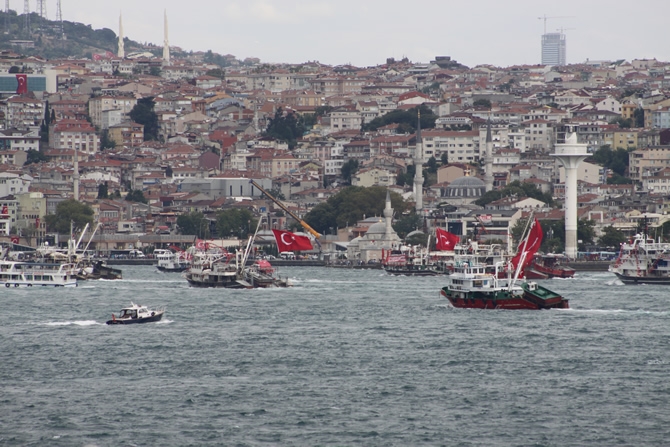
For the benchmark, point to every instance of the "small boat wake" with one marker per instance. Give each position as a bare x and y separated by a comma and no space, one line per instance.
617,312
72,323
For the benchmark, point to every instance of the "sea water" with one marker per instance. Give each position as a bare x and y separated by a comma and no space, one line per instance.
345,357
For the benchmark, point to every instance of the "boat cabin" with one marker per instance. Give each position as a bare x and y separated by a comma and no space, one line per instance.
135,311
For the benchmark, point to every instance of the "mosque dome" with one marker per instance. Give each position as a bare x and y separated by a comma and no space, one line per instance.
376,228
466,187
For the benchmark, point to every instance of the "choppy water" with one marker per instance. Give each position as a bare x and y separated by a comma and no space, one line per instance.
343,358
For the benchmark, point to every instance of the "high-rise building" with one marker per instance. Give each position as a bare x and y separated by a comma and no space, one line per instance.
553,49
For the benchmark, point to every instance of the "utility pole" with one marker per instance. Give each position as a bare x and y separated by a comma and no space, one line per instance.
59,19
26,13
41,8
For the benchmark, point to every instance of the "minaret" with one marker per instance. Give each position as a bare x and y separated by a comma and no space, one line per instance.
571,154
122,51
166,43
418,164
488,178
388,214
75,175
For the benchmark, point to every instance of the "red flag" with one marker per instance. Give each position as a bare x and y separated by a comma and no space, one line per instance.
530,245
22,80
446,240
15,239
5,210
287,241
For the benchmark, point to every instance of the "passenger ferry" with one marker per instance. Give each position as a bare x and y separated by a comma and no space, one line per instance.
28,274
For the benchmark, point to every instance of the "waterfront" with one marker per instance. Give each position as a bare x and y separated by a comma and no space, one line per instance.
346,357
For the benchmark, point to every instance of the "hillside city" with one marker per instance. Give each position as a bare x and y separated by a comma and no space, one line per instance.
160,148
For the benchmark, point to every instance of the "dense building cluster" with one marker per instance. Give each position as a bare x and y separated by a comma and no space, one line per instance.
189,134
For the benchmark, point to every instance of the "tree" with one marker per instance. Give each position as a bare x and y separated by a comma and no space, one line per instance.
611,237
515,188
638,116
285,127
615,160
194,224
33,156
136,195
407,120
349,169
105,141
350,205
482,102
406,224
143,113
103,193
444,159
69,211
235,222
406,178
432,165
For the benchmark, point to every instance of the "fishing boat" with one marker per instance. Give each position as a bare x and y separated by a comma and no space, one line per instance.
410,262
643,261
473,286
136,314
40,274
553,266
169,261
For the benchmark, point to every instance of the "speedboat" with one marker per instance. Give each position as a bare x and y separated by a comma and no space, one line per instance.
137,314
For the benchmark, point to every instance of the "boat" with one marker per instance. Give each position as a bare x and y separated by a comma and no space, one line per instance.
472,285
477,284
553,266
98,270
219,268
410,262
169,261
137,314
643,260
40,274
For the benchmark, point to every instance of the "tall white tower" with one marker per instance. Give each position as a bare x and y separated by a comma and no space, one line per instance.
41,8
388,214
488,177
418,164
571,154
75,175
166,42
122,49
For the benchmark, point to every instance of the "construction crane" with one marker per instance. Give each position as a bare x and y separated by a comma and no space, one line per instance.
560,30
545,18
304,224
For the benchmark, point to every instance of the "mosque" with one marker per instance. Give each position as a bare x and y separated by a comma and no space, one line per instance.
380,237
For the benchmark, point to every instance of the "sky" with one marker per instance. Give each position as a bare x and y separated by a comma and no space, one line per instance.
366,32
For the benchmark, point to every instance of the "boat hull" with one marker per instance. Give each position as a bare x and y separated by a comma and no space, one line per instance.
411,272
13,284
235,284
504,300
626,279
151,319
173,269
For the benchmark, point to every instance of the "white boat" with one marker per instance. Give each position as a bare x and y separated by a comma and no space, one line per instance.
171,262
28,274
137,313
643,261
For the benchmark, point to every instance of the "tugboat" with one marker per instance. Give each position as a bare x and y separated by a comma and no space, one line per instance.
643,261
136,314
552,266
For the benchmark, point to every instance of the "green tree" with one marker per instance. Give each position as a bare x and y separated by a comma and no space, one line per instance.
33,156
136,195
349,169
285,127
103,193
615,160
194,224
406,119
611,237
155,71
515,188
350,205
407,223
105,141
432,165
143,113
638,116
407,177
483,102
444,159
68,211
235,222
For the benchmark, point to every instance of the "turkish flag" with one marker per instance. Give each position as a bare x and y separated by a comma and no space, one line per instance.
15,239
530,245
5,210
445,239
287,241
22,80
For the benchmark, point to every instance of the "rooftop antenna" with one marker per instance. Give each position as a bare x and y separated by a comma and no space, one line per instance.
26,13
6,16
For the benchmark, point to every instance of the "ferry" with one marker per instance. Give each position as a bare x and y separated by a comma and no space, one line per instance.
171,262
28,274
643,261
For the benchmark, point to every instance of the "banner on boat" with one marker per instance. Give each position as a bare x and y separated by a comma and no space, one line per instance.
530,245
287,241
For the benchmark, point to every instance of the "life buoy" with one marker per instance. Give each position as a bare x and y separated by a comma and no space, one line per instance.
30,285
6,284
16,285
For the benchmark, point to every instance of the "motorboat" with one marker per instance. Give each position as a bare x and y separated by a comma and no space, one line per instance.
137,313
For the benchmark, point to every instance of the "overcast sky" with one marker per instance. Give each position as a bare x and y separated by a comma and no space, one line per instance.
366,32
